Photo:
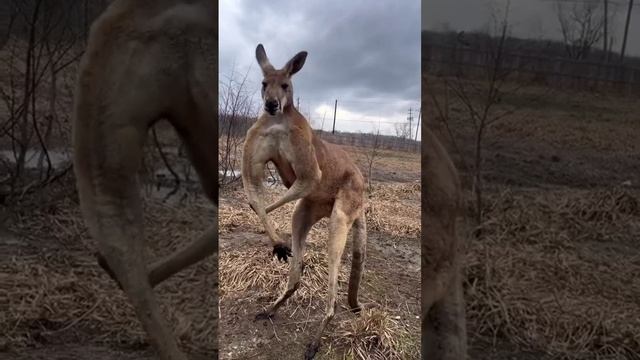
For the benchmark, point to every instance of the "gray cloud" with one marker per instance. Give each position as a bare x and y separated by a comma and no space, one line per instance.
364,53
530,18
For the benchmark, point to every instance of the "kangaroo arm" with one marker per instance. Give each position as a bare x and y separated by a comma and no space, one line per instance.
252,178
308,176
299,189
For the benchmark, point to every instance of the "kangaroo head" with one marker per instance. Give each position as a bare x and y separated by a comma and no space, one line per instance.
277,90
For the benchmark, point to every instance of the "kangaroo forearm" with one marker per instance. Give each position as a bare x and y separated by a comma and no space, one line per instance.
256,201
298,190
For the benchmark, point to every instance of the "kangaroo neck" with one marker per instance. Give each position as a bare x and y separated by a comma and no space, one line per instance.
289,110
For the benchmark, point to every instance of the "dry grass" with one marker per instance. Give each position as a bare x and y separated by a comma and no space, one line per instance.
251,269
57,293
392,208
380,333
555,272
395,209
375,335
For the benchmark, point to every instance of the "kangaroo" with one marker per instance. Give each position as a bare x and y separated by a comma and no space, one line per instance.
145,61
444,335
319,175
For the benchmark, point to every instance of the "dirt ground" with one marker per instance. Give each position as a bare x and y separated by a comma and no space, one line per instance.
57,303
61,305
553,274
250,279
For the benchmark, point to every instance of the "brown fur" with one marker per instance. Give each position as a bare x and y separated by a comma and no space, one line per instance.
145,60
319,175
443,317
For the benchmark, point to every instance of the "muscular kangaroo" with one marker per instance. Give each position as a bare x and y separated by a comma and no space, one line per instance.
145,61
319,175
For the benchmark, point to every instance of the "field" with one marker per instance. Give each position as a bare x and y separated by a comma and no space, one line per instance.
250,279
61,304
552,275
57,303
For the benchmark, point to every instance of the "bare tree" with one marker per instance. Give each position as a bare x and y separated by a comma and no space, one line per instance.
582,25
482,100
481,113
371,154
442,107
403,130
236,112
42,44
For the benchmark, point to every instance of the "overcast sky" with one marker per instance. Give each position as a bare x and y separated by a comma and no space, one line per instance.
530,18
364,53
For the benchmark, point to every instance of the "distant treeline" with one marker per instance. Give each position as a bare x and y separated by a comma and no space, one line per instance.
237,126
369,140
543,62
537,47
64,18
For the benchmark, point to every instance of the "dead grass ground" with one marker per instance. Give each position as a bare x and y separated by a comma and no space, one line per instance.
553,276
57,301
59,304
251,279
554,273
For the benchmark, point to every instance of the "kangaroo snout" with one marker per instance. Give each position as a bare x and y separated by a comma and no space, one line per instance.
271,106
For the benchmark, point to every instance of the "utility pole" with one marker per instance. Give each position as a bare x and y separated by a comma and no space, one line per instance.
417,126
626,31
335,108
298,105
606,22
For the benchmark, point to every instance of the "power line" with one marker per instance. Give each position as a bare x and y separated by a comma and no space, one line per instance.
336,119
299,101
366,101
371,121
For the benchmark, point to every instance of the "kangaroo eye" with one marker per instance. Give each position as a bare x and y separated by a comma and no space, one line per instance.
285,86
264,84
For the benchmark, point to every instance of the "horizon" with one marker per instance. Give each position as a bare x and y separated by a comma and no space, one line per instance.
529,19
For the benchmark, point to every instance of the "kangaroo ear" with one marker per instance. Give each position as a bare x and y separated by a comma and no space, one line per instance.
295,64
263,60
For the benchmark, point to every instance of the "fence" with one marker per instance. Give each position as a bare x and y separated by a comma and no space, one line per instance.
237,126
446,60
369,141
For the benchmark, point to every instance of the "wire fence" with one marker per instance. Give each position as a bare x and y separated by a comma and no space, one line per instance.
368,140
232,126
446,60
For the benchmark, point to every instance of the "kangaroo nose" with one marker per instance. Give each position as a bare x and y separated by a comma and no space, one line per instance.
271,105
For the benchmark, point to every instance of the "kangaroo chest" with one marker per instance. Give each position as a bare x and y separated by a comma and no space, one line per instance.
277,143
